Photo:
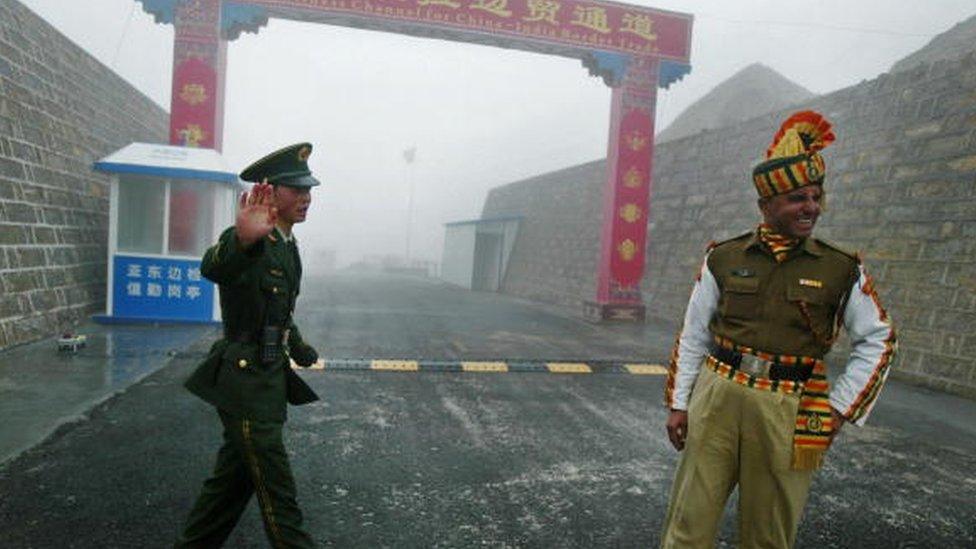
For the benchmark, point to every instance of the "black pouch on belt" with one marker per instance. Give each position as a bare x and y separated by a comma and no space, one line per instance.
271,351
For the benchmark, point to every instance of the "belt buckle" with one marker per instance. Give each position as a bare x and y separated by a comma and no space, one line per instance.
754,366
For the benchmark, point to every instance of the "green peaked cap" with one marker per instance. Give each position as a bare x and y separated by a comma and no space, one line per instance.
287,166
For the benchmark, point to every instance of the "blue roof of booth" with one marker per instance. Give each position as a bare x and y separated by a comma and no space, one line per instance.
168,161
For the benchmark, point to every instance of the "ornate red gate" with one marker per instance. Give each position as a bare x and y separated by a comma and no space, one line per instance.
634,49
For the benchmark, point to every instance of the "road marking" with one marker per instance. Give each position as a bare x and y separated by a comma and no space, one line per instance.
484,366
319,365
395,365
568,368
425,365
646,369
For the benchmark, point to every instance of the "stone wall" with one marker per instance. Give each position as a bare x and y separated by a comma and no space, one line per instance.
60,110
555,251
901,188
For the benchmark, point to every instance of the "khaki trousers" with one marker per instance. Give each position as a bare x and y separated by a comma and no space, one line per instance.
737,436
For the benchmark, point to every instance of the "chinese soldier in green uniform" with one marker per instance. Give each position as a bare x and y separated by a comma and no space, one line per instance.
247,375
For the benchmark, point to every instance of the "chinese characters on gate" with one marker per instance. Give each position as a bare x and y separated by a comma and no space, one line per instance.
164,282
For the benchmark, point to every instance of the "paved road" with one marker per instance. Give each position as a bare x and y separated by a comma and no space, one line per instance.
471,460
379,316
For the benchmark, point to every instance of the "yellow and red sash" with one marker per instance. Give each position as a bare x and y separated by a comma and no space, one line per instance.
813,431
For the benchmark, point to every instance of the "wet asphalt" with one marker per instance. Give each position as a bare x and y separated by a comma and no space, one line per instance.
400,459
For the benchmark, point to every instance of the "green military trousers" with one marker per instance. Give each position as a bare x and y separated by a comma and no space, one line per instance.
741,436
252,460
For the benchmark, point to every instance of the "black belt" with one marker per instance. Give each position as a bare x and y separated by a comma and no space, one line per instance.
243,337
770,369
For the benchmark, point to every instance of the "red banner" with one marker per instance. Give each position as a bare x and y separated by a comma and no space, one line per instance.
631,197
591,24
194,104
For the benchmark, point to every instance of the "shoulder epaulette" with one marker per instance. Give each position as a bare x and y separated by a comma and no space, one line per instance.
713,244
856,256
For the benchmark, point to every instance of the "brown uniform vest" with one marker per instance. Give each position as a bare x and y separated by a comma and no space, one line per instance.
761,301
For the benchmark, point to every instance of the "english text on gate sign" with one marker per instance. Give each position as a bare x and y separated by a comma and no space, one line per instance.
590,23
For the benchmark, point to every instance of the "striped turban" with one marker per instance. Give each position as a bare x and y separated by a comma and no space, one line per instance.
793,159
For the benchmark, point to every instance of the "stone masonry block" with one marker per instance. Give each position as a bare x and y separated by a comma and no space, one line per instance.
11,169
21,281
927,340
19,212
964,164
13,234
952,344
914,273
895,248
955,321
28,258
944,366
964,299
963,274
953,188
10,306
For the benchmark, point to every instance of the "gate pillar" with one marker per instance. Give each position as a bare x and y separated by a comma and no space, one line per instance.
199,68
626,195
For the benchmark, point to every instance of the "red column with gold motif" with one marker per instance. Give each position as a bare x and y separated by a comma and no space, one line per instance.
199,66
626,195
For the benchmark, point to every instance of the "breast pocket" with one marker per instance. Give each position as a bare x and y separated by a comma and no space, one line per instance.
274,282
240,377
740,298
814,303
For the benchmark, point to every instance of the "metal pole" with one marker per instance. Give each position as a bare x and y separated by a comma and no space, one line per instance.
409,209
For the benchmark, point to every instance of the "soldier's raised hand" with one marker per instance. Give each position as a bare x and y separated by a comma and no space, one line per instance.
257,214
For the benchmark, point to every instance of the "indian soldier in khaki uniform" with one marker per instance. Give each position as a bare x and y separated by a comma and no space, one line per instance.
750,403
247,374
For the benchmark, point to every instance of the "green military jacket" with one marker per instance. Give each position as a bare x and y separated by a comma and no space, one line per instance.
786,308
258,287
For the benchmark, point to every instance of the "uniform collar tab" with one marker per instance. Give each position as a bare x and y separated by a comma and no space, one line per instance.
285,238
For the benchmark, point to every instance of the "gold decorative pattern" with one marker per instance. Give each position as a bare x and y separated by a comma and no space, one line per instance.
630,212
192,135
814,424
636,140
194,94
633,178
627,250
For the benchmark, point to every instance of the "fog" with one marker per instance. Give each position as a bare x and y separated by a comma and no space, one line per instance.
478,116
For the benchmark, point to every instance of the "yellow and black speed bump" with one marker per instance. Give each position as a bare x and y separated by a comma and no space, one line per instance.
489,366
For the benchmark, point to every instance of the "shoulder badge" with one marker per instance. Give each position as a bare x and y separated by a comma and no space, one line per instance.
856,256
713,244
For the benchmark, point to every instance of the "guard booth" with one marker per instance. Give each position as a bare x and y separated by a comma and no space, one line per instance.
168,204
476,252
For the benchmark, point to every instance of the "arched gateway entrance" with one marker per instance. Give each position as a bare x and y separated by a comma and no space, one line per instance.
634,49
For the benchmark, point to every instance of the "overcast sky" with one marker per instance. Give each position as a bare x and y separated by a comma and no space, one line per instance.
479,116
